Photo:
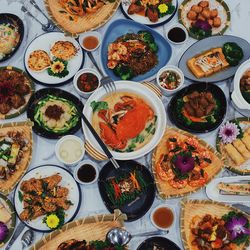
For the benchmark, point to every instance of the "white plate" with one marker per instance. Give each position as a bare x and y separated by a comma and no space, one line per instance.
214,194
152,99
145,20
45,42
67,181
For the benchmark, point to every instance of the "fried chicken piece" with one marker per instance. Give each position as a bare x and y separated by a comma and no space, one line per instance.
32,185
52,180
17,101
213,13
152,14
61,192
4,108
31,213
49,207
201,17
22,89
206,14
134,8
59,202
196,8
192,15
203,4
217,22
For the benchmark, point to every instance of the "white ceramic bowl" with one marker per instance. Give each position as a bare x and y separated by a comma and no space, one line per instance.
64,139
238,100
83,163
169,92
177,25
90,33
159,206
150,97
77,75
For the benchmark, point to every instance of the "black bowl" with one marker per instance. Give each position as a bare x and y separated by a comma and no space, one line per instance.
135,209
178,118
13,21
42,93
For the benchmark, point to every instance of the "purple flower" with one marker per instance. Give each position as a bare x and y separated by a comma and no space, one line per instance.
204,25
184,163
228,132
236,227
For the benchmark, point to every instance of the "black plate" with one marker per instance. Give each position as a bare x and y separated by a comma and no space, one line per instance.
177,118
162,242
134,210
14,21
40,94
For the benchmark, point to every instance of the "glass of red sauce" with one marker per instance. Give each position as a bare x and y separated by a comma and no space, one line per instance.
86,81
90,41
162,217
86,172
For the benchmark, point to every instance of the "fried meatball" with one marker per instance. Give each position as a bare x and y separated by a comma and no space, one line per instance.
217,22
4,108
213,13
201,17
204,4
192,15
211,22
196,8
22,89
205,13
17,101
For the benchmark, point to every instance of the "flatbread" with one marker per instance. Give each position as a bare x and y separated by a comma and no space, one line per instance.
38,60
64,50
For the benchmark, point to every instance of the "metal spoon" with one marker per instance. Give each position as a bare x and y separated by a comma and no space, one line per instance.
122,237
27,238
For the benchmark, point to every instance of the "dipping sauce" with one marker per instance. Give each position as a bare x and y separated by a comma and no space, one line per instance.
163,217
90,42
87,82
177,35
86,173
169,79
70,150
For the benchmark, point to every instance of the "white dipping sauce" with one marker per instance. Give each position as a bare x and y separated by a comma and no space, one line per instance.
70,150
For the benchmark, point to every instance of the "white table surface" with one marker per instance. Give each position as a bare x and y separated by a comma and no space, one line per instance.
92,202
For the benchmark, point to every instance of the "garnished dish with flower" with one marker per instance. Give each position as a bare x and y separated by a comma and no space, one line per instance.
132,54
16,89
182,164
213,225
204,18
153,10
233,141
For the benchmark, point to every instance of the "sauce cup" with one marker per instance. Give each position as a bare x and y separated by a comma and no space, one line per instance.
66,147
179,26
89,34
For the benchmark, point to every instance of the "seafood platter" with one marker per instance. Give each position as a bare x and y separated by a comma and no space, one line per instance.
124,124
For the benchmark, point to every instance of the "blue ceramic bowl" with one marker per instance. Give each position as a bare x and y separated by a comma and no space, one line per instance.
121,27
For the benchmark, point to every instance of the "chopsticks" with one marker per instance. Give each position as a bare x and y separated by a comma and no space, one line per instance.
99,140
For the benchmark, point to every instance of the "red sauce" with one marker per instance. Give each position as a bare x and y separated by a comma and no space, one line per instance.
87,82
163,217
90,42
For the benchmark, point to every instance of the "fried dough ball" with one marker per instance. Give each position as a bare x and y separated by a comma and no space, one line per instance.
196,8
191,15
205,13
204,4
201,17
217,22
4,108
213,13
211,22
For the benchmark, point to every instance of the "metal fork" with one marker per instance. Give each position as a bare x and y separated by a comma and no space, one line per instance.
45,27
106,81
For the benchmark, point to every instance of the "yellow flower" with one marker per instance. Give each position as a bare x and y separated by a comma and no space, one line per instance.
52,221
163,8
57,67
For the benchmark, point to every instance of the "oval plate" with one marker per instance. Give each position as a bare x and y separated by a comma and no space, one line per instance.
75,194
223,13
16,23
40,94
45,42
178,119
16,112
145,20
243,169
150,97
121,27
137,208
213,192
207,44
12,223
158,243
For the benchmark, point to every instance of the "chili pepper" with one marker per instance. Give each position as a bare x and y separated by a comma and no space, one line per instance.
117,189
134,180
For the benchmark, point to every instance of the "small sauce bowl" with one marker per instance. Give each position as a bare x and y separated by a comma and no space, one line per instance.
162,217
79,83
176,71
69,150
86,172
177,34
90,41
